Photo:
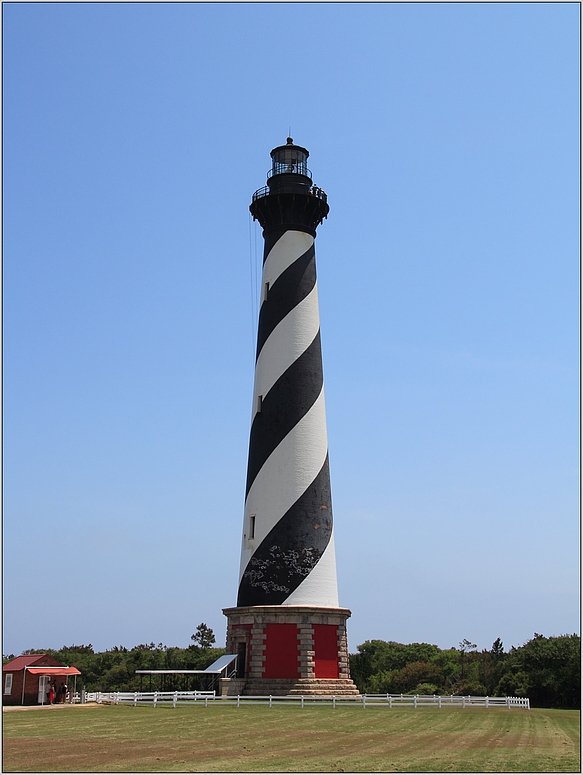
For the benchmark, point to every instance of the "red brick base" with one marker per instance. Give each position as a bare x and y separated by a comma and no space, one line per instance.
291,649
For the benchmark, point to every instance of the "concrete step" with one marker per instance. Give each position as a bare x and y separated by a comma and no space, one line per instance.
231,687
340,687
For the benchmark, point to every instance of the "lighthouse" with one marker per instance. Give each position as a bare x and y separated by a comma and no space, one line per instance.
287,629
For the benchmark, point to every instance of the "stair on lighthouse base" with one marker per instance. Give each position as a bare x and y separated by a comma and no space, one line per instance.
306,687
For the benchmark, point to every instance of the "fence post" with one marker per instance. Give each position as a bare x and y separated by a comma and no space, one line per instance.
270,700
415,701
439,701
238,700
206,702
333,702
486,702
174,699
135,699
390,702
463,702
508,702
364,701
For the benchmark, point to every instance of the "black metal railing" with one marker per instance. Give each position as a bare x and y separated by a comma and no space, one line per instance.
291,188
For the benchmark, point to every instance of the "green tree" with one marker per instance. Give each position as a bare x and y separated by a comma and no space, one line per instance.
204,636
513,683
406,680
374,668
547,670
465,646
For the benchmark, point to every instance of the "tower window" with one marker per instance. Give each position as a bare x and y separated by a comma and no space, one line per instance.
252,526
259,403
265,291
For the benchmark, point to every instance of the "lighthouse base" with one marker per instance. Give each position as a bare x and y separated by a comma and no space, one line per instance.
290,650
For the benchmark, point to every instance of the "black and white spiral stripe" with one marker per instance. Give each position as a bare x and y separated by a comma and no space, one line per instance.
288,547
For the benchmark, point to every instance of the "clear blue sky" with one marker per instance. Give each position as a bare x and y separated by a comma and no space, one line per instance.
446,137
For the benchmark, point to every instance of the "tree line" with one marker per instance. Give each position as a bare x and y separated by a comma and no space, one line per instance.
547,670
115,668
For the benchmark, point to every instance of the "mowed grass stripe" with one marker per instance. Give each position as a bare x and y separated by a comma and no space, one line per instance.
289,739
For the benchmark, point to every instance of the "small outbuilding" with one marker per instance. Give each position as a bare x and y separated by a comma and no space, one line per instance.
27,679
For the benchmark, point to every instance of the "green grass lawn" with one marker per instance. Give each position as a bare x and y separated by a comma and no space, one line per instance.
284,739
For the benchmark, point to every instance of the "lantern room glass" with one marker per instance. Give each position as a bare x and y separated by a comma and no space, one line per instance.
289,159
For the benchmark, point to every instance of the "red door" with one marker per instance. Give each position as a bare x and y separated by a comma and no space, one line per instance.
326,650
281,651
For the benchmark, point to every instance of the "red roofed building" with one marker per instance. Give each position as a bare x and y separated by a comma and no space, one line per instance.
26,680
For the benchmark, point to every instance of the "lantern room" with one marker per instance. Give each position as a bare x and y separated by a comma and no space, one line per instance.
289,159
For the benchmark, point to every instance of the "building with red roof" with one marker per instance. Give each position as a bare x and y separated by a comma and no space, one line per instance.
27,679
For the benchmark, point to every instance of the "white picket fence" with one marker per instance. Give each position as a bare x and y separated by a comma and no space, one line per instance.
366,700
447,701
149,698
